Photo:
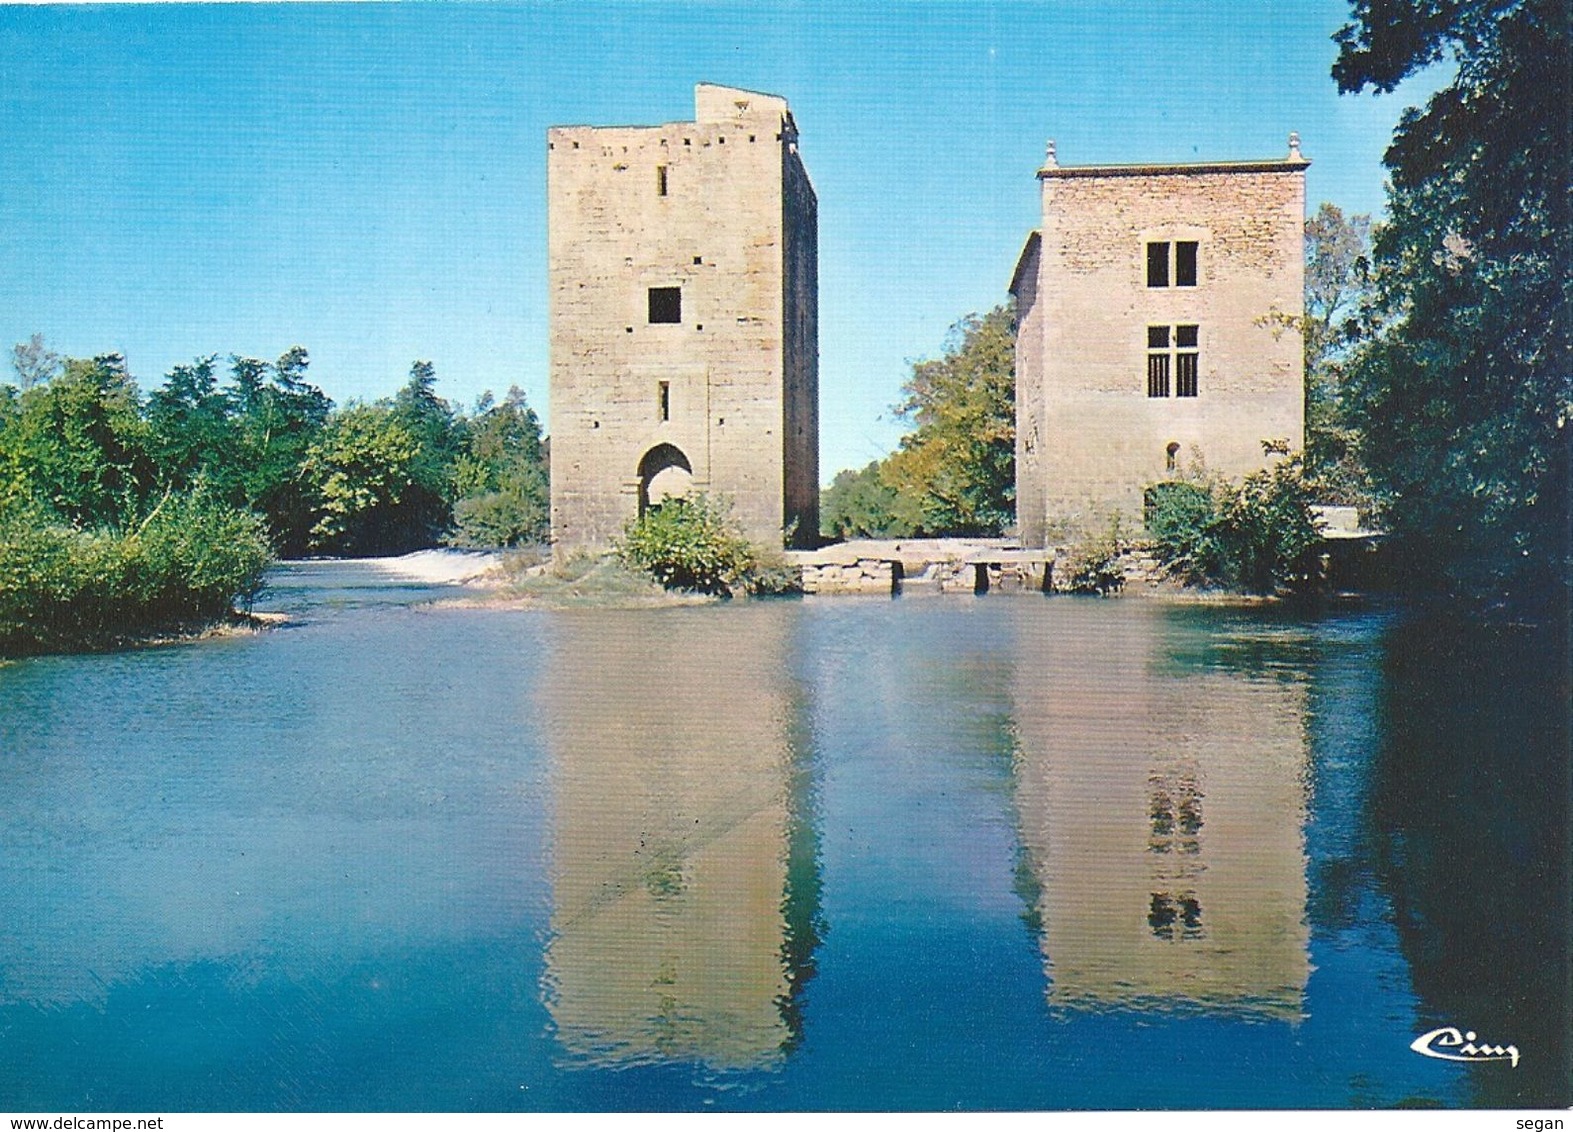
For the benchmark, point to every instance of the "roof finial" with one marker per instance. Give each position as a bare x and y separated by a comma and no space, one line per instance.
1294,146
1049,160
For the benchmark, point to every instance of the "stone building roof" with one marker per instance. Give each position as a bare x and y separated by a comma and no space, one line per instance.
1293,163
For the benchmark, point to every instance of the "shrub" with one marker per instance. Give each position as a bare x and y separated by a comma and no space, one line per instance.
199,556
1272,539
573,566
1256,536
691,543
687,544
1182,523
769,574
1092,567
188,560
508,517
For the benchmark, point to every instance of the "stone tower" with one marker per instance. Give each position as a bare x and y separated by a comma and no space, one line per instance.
684,320
1157,311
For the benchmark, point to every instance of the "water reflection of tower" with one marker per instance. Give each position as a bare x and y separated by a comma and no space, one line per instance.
684,878
1162,802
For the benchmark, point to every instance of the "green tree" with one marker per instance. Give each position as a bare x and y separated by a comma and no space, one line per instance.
957,469
1337,275
501,477
1337,271
192,434
1466,391
860,504
362,468
34,362
280,416
78,444
439,436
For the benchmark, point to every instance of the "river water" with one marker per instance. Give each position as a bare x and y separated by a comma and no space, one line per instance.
1000,852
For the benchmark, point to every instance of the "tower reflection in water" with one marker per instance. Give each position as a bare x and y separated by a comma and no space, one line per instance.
1162,801
684,888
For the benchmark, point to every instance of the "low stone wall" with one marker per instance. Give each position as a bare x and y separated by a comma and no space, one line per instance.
964,566
1142,569
1032,576
861,576
928,566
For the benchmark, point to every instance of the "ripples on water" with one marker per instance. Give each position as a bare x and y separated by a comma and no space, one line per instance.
1008,852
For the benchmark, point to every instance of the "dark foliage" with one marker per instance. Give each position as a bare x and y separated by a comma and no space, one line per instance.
1465,385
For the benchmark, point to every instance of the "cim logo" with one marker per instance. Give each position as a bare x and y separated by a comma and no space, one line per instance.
1448,1044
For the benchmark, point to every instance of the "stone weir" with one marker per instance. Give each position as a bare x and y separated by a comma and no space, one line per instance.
918,566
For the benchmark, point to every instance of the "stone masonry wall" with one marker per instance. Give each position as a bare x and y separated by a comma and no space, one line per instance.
800,321
1031,499
703,207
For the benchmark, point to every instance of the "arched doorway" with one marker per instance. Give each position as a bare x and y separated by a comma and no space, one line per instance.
664,473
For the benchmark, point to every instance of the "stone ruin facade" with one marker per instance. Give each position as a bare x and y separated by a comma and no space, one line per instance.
1157,331
683,272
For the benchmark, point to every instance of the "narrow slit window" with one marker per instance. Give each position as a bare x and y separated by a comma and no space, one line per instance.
660,180
666,304
663,397
1158,264
1185,263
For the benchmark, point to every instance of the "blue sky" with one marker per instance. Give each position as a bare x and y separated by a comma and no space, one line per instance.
369,180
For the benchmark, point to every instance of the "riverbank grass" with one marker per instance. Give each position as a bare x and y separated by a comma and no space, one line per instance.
583,580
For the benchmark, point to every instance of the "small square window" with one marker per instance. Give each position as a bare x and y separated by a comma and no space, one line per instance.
1185,337
1158,264
1185,263
666,304
1157,337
